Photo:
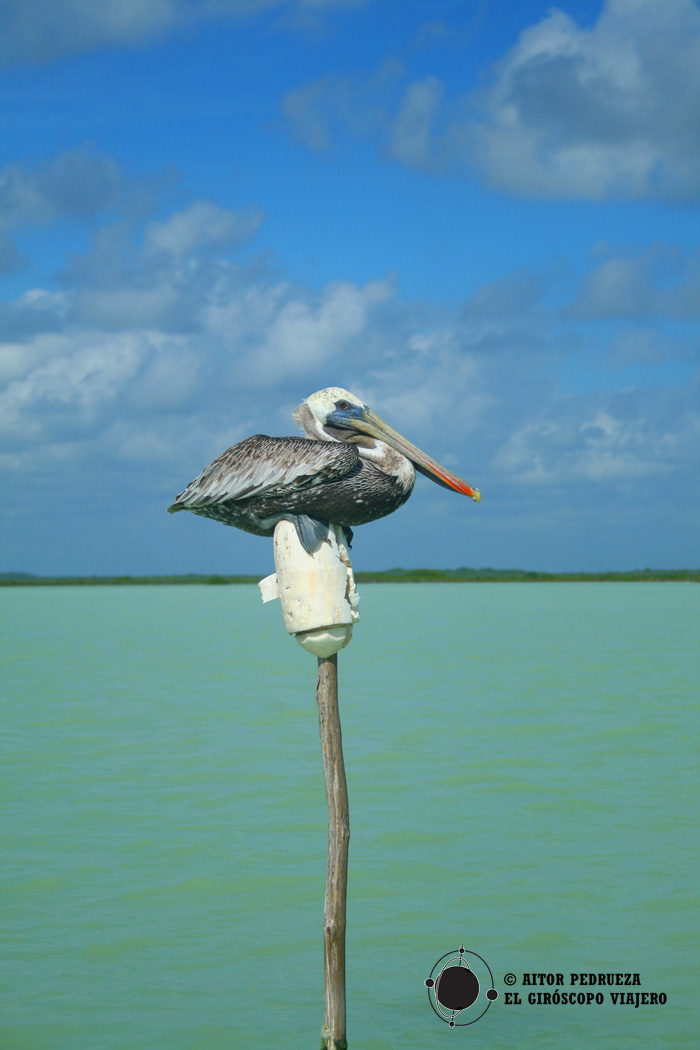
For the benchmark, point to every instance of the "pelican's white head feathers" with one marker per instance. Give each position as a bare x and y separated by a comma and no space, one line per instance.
312,414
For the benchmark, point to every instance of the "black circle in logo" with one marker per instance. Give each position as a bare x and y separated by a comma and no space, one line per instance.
456,988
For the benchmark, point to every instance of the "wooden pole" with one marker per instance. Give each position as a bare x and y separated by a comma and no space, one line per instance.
333,1031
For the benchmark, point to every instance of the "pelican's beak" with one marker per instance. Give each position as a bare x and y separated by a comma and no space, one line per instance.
368,423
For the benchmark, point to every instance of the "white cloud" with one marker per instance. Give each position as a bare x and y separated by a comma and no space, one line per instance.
569,112
642,344
434,383
36,310
202,224
128,306
61,28
358,104
631,437
77,184
658,280
412,138
303,335
157,324
75,374
610,111
170,374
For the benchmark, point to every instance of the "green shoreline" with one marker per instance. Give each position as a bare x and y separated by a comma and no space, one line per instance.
25,579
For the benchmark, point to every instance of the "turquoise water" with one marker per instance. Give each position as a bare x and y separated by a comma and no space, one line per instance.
522,771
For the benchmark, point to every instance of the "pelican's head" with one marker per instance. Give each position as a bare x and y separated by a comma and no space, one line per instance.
329,403
337,414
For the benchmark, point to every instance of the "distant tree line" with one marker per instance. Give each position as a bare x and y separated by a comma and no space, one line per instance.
463,575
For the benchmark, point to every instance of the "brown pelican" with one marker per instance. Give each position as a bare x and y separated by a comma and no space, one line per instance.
350,468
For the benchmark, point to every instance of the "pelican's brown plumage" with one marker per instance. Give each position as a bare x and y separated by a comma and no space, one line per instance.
350,469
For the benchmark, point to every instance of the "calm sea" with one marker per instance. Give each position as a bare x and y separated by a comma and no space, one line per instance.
522,769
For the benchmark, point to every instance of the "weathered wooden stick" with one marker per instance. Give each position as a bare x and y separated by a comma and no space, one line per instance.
333,1031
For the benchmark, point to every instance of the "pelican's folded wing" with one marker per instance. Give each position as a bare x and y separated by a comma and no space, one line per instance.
268,466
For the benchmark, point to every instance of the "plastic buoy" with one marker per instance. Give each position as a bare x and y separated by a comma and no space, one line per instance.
317,591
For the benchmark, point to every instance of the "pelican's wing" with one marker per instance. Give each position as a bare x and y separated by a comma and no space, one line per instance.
262,465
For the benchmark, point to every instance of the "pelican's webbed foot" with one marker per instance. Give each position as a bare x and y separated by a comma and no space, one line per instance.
311,531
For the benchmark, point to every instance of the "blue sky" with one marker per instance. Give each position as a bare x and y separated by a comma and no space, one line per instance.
480,217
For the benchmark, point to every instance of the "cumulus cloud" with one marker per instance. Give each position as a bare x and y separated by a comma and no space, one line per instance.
70,378
356,104
412,138
611,111
159,319
618,437
76,184
607,112
202,225
646,345
304,335
658,280
34,311
67,27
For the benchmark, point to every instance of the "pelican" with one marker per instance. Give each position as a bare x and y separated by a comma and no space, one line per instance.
349,469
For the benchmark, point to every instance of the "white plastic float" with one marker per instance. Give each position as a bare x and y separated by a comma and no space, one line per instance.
317,591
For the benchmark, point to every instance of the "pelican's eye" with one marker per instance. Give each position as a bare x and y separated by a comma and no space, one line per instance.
344,406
